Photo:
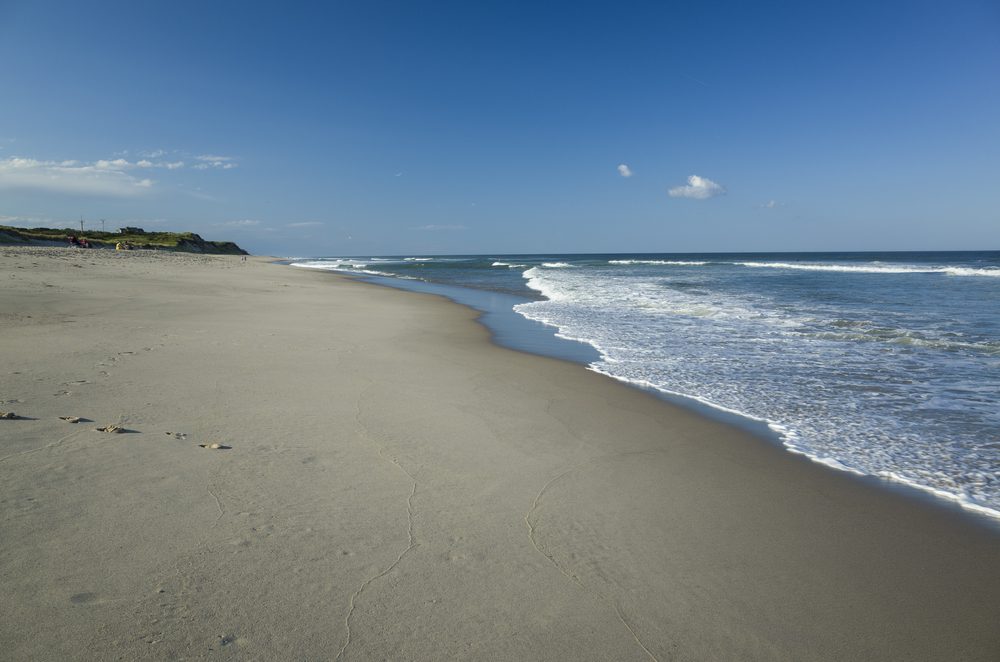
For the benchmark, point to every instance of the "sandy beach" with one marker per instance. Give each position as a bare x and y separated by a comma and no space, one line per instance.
392,485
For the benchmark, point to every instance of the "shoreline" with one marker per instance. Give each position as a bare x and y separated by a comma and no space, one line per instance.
763,430
399,486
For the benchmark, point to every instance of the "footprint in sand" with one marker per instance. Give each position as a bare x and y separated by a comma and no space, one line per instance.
230,639
83,598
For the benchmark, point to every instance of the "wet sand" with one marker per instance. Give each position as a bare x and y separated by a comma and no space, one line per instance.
397,487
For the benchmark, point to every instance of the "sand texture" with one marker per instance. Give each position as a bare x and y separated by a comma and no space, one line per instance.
387,484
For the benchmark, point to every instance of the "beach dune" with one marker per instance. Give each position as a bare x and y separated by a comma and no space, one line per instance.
389,484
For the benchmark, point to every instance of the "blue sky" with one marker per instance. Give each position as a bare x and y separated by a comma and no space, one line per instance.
490,127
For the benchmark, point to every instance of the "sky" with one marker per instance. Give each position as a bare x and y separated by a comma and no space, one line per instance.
388,128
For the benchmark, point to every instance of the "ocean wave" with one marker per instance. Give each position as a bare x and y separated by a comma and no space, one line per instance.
990,272
509,265
614,294
536,282
876,268
349,268
387,274
673,263
330,265
557,265
906,338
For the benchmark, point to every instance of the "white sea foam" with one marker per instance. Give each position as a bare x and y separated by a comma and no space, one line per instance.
347,266
965,271
557,265
868,332
330,265
961,499
876,268
673,263
536,282
788,440
509,265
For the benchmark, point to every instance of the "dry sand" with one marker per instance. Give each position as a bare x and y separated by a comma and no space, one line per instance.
399,488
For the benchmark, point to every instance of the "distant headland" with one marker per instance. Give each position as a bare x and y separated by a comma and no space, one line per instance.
130,237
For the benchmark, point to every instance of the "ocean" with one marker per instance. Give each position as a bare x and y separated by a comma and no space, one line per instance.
881,364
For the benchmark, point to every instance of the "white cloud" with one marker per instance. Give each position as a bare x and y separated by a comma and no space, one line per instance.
437,228
771,204
245,223
124,164
304,224
117,164
104,178
214,161
624,170
698,188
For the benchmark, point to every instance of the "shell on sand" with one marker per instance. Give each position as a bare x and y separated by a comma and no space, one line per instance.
215,446
111,428
70,419
7,414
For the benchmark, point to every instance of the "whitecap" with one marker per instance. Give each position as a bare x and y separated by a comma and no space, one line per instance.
875,268
672,263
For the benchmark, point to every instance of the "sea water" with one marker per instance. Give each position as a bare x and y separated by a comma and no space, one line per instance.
882,364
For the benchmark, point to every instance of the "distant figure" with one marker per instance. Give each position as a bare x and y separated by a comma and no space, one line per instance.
243,258
118,246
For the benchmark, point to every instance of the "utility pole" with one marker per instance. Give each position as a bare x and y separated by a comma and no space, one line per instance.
81,222
102,225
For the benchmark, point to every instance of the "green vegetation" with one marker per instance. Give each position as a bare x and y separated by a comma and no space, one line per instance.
187,242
